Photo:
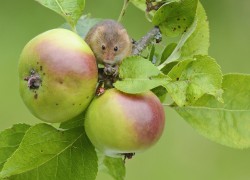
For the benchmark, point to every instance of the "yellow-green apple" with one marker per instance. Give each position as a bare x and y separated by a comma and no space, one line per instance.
57,75
118,123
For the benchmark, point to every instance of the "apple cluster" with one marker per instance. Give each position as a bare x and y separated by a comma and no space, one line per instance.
58,76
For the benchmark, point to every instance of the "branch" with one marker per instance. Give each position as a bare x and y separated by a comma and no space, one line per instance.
145,41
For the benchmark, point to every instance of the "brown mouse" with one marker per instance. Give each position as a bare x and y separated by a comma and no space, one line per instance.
110,42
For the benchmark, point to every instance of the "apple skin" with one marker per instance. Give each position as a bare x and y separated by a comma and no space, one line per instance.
68,72
118,123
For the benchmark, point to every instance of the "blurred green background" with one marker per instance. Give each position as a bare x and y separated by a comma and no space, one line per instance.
181,154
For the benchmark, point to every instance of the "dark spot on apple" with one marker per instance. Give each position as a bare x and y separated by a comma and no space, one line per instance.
61,82
37,62
57,104
41,151
177,79
174,29
184,19
36,96
178,19
44,74
73,104
179,27
87,97
41,68
80,104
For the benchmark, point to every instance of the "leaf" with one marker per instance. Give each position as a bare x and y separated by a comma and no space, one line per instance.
77,121
47,153
141,4
115,167
174,18
10,140
226,123
191,79
195,41
176,53
167,52
160,92
139,75
169,67
71,10
83,25
198,42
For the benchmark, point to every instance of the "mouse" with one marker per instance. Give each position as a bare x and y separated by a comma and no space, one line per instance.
109,42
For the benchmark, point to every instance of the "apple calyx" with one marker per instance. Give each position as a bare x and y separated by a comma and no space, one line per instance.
34,80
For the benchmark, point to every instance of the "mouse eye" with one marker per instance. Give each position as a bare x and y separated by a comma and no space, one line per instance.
103,47
115,48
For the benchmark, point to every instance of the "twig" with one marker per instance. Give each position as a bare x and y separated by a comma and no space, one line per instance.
145,41
125,5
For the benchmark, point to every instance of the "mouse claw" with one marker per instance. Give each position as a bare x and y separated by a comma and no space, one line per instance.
115,70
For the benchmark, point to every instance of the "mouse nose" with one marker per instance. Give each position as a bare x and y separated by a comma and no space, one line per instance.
109,57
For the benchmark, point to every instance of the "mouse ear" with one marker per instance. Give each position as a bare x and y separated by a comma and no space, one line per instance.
123,31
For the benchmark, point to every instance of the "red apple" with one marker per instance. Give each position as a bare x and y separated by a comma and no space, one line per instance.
118,123
57,75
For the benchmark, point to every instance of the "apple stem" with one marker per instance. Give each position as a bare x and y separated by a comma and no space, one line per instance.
127,156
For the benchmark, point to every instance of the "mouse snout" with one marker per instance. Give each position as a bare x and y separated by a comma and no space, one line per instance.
108,58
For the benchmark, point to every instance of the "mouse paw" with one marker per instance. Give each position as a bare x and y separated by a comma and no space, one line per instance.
110,70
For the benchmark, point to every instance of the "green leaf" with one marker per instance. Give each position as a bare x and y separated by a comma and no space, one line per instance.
191,79
139,75
174,18
167,52
10,140
226,123
83,25
169,67
198,42
71,10
160,92
115,167
194,41
47,153
176,53
77,121
141,4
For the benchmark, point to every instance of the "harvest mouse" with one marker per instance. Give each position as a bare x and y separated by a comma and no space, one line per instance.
110,43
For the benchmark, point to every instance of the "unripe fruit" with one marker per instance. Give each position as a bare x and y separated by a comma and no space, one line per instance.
57,75
119,124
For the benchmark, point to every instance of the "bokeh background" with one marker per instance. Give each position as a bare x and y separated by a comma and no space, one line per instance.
181,154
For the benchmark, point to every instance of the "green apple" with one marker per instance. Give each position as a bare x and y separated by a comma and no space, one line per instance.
118,123
57,75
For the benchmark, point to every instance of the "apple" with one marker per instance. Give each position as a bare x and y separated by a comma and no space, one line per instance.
57,75
122,124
